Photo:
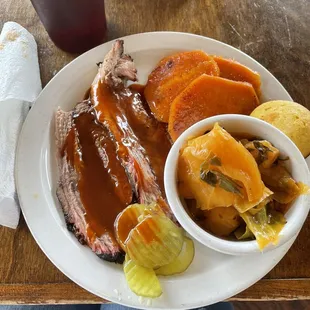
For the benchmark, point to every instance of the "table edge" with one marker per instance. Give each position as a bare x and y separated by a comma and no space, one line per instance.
70,293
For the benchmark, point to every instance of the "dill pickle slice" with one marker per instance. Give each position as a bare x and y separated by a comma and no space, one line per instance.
182,262
155,242
142,281
130,217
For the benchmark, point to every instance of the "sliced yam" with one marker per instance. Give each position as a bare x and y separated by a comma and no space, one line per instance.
172,75
235,162
166,93
208,96
175,64
233,70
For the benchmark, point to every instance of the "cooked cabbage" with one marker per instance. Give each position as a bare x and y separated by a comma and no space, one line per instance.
266,225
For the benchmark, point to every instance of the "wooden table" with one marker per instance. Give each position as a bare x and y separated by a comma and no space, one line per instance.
275,32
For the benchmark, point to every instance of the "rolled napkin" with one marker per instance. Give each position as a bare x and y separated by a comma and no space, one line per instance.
20,84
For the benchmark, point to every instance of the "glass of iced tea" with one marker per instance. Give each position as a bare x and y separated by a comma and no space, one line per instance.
75,26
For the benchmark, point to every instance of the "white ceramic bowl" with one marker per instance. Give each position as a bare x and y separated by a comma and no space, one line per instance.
254,127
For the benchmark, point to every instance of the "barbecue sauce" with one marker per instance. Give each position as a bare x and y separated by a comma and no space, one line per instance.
152,135
126,109
103,184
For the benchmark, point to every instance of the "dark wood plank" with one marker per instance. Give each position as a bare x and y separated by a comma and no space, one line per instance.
47,293
22,261
295,263
276,289
273,32
68,292
273,305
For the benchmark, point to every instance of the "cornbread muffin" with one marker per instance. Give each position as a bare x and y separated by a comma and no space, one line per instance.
291,118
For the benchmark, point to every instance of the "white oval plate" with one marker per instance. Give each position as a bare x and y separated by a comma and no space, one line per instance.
213,276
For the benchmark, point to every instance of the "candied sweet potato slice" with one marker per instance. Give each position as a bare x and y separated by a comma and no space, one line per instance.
208,96
233,70
171,75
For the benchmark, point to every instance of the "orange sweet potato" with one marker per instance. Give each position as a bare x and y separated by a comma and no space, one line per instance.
208,96
171,75
233,70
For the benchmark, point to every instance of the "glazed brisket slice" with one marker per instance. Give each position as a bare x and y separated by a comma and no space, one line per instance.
141,145
138,136
68,193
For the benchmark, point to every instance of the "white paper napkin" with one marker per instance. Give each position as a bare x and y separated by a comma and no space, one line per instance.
20,84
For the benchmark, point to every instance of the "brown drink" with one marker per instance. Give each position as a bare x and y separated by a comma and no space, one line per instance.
74,25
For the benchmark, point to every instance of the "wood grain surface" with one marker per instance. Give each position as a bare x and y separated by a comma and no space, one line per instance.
274,32
272,305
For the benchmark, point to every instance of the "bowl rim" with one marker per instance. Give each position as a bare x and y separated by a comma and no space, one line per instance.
206,238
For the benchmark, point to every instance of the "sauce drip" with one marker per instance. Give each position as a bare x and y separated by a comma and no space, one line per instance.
133,125
152,134
103,184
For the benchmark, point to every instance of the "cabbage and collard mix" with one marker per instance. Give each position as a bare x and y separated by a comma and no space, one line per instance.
236,189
